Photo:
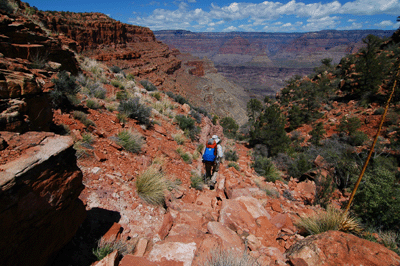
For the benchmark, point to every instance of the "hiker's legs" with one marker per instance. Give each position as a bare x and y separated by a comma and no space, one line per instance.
208,171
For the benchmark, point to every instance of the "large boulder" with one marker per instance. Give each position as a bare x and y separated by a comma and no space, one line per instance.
39,187
338,248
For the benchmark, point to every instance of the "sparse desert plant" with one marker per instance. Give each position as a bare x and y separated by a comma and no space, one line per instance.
81,116
87,138
184,155
65,90
234,165
136,110
266,168
151,186
230,258
196,181
121,95
231,155
332,219
200,148
148,85
389,239
130,76
179,138
105,247
196,116
115,69
117,84
93,104
130,141
156,95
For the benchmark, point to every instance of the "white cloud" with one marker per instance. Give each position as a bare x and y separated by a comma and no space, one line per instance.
353,26
320,15
230,28
387,23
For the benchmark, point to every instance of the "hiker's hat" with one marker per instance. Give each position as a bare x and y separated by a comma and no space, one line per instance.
215,137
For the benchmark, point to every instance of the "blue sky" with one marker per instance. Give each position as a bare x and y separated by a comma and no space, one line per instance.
259,16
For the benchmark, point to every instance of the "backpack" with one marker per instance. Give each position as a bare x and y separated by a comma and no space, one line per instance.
210,154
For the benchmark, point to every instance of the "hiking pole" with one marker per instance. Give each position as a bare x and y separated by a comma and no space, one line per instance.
372,146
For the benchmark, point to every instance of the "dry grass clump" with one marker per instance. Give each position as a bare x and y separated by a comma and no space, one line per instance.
230,258
105,247
151,186
130,141
179,138
332,219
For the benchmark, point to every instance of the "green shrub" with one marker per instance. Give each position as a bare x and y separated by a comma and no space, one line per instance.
234,165
196,181
265,167
185,122
81,116
115,69
130,76
156,95
358,138
230,126
87,138
349,125
377,200
200,148
121,95
179,138
333,219
196,116
184,155
300,165
317,133
130,141
231,155
193,133
117,84
93,104
148,85
379,111
134,109
65,90
214,120
151,186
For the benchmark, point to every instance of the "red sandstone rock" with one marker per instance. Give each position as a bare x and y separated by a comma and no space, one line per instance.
180,253
230,240
110,260
113,234
338,248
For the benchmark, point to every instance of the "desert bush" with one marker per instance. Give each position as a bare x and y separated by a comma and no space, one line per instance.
65,90
130,141
121,95
231,155
105,247
377,201
97,90
379,111
87,138
151,186
234,165
81,116
115,69
300,165
185,122
358,138
317,133
269,191
93,104
179,138
130,76
390,240
265,167
134,109
200,148
148,85
184,155
230,258
214,120
156,95
349,124
117,84
196,116
196,181
332,219
230,127
324,189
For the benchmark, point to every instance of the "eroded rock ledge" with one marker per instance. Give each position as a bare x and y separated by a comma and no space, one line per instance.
39,188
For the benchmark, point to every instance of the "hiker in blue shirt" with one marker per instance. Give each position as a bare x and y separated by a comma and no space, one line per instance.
212,157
